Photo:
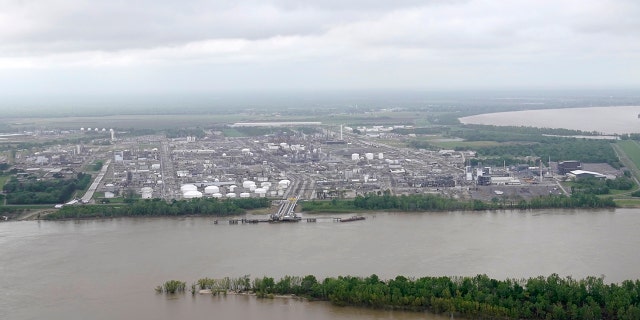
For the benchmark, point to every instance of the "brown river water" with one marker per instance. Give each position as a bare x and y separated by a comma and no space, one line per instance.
607,120
108,269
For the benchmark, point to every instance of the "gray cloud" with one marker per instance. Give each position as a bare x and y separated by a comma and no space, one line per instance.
316,43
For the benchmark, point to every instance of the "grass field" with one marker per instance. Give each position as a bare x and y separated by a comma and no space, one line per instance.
628,203
3,180
632,149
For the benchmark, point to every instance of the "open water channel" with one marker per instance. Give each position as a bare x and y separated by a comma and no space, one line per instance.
108,269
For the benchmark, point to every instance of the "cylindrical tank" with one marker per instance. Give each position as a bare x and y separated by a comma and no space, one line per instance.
266,185
188,187
217,195
247,184
355,157
284,183
232,188
245,195
192,194
211,189
368,155
230,195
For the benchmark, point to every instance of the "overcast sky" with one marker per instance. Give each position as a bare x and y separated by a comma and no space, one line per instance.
195,46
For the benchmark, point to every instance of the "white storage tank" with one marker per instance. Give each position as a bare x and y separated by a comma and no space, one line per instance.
232,188
248,183
380,156
188,187
266,185
192,194
211,189
355,157
369,156
217,195
245,195
284,184
230,195
261,191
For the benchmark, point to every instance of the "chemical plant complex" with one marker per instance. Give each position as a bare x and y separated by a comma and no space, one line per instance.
329,162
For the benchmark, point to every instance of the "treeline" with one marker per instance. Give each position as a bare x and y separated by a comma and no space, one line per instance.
590,151
422,130
184,132
471,132
157,207
476,297
52,191
428,202
525,142
474,132
599,186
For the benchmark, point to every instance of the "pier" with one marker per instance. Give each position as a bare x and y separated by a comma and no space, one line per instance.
285,211
297,219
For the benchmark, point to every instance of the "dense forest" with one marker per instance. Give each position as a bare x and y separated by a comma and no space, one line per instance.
157,207
521,142
476,297
32,191
372,201
598,186
560,149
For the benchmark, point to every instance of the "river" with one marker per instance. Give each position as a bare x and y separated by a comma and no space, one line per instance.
107,269
607,120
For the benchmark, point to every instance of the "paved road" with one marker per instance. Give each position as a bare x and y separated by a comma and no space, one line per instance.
94,186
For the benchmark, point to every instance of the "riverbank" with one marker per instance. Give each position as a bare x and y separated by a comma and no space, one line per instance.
361,204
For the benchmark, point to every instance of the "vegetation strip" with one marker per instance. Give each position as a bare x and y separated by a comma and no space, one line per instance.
436,203
552,297
157,207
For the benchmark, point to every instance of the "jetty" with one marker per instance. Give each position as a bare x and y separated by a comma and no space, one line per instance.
285,211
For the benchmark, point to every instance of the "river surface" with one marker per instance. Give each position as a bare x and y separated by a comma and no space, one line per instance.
108,269
607,120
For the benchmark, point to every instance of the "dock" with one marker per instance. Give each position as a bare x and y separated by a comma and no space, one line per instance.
297,219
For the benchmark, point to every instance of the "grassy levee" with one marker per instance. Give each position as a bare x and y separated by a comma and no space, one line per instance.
632,150
3,180
628,152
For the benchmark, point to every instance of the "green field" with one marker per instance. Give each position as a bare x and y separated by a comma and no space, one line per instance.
632,149
3,180
627,203
232,132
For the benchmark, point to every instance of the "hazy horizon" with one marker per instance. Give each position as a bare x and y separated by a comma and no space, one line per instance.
170,103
